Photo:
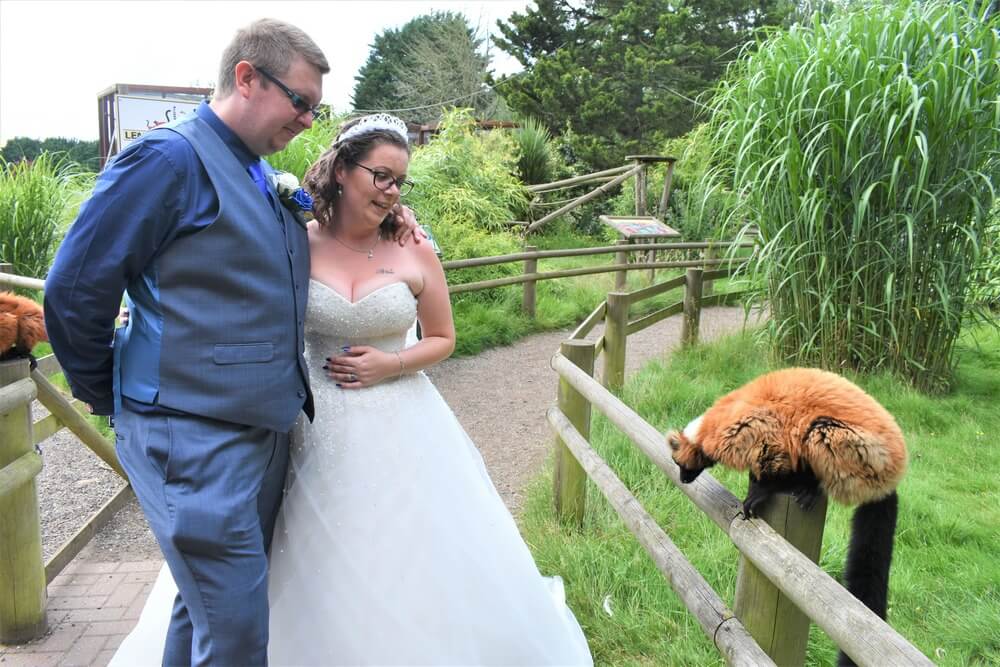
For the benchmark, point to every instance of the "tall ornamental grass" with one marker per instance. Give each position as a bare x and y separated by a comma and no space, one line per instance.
865,148
34,199
535,146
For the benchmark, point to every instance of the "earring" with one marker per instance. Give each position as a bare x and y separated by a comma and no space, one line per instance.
340,189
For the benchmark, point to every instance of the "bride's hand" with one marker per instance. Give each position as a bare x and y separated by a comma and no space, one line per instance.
406,225
360,366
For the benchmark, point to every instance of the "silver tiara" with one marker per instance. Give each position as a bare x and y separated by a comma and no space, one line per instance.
375,121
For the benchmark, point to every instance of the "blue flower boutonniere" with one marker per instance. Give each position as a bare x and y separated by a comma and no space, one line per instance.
292,196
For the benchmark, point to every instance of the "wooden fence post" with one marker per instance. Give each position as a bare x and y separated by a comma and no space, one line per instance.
570,478
771,618
640,189
667,182
621,258
22,572
692,307
528,300
708,255
615,332
642,208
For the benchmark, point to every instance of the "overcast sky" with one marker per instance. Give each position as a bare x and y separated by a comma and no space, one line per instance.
55,56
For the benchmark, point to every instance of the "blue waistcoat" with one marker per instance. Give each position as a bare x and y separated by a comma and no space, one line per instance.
232,300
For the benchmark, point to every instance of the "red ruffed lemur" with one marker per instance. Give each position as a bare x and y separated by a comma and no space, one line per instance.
807,431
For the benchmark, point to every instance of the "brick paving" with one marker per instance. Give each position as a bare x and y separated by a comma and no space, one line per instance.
91,606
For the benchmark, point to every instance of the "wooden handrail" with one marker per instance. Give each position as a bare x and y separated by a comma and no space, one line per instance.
577,180
649,320
12,280
566,273
641,294
589,322
577,252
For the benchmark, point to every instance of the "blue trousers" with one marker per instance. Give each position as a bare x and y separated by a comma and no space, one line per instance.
210,491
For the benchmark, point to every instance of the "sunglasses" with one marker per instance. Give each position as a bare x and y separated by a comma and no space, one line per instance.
299,102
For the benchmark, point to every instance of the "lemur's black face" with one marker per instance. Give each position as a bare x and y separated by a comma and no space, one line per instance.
688,456
688,475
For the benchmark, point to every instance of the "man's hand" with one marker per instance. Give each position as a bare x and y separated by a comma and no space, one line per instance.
406,226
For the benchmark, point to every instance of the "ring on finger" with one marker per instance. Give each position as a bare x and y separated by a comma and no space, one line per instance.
352,377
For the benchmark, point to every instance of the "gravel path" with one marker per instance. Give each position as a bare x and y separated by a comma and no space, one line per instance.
499,396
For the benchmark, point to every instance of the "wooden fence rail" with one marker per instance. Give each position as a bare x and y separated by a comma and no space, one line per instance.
711,258
780,587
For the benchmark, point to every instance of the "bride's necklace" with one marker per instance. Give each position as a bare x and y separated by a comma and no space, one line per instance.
370,252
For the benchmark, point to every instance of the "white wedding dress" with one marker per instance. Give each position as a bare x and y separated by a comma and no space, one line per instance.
392,546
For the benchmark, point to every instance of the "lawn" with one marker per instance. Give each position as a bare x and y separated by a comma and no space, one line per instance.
945,581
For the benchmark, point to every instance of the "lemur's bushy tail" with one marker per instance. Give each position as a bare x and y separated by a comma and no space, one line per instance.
866,574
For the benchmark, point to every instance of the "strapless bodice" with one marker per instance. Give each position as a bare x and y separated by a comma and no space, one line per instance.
380,319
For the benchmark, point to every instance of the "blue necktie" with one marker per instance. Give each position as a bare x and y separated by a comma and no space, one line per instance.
257,173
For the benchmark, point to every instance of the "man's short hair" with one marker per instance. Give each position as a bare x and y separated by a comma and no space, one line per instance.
270,44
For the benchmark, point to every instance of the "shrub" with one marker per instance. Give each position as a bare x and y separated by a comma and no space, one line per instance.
467,177
866,149
466,191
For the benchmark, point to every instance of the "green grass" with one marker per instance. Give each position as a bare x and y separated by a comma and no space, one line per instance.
945,582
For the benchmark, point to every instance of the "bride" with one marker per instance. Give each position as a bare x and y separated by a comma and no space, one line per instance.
392,546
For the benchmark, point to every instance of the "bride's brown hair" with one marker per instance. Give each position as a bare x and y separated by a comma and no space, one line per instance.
321,180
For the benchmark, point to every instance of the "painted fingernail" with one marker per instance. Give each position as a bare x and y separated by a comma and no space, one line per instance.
325,367
338,384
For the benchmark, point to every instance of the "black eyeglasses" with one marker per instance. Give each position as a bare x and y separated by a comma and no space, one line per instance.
383,180
299,102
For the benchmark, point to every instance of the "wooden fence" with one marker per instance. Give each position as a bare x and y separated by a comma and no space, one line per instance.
23,575
779,586
607,179
709,251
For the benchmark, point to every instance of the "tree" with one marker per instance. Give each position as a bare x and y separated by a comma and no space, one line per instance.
436,58
624,75
84,153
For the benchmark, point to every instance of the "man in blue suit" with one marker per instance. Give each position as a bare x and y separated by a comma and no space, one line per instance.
207,379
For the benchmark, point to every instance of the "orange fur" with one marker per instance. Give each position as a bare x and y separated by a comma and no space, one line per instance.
22,325
782,420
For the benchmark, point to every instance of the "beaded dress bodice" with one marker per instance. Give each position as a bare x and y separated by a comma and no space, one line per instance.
380,319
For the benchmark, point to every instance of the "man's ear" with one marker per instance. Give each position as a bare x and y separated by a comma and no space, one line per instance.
245,75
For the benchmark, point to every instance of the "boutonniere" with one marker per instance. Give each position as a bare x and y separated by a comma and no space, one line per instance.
292,196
